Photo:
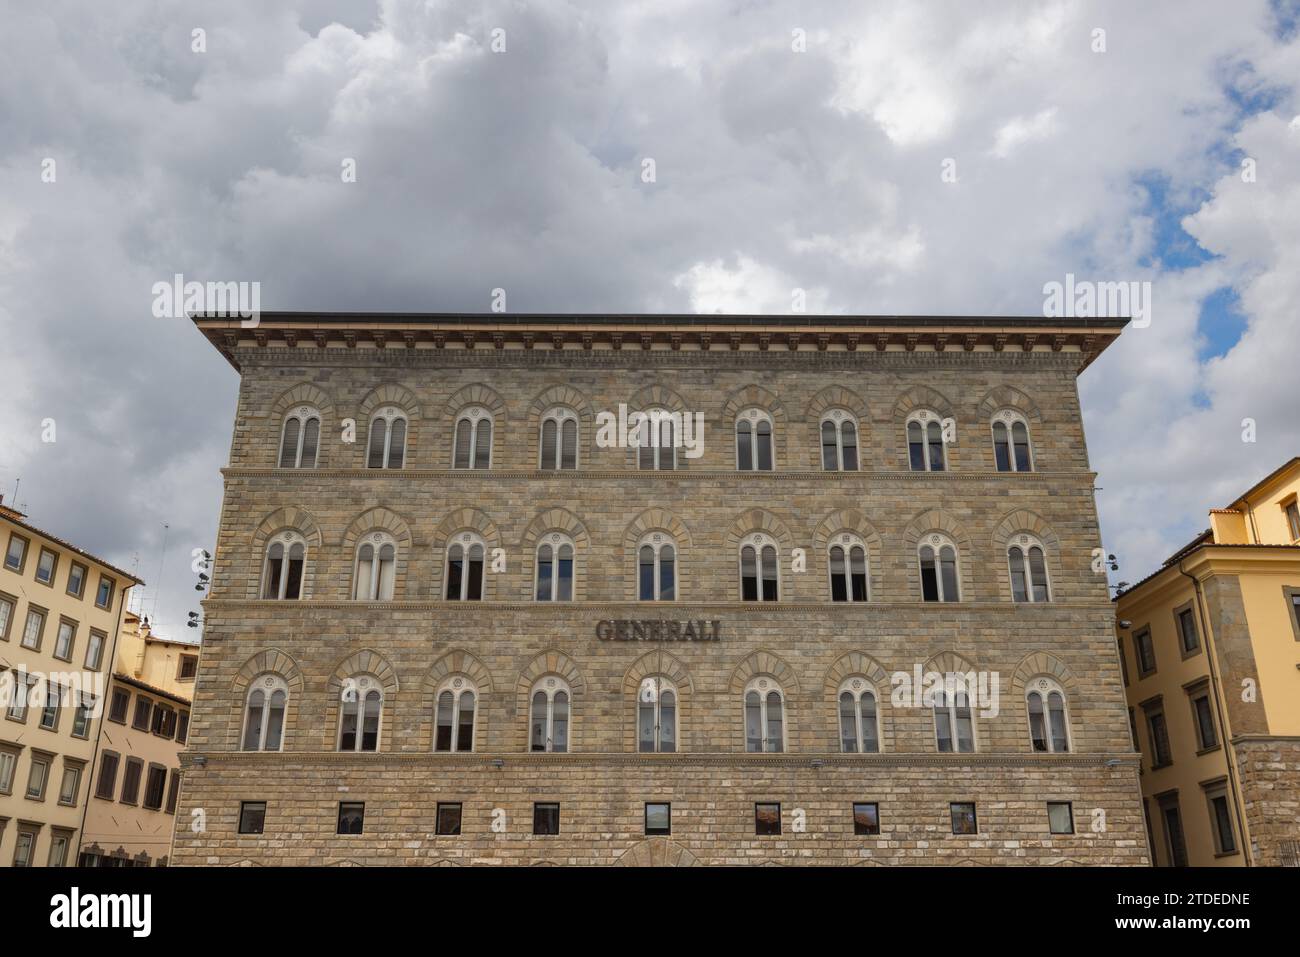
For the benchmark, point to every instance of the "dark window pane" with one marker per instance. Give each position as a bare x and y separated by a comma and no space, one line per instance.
352,816
744,447
963,819
546,819
252,817
764,440
866,819
658,819
830,453
767,819
849,440
397,444
310,442
447,823
289,447
550,435
378,432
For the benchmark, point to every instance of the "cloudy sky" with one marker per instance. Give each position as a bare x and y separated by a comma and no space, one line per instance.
1170,156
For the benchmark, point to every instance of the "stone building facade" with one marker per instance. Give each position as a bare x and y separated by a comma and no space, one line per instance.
375,455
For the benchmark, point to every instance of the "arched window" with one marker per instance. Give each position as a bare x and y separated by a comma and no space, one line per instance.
656,715
656,559
848,565
300,438
938,557
473,445
1011,442
376,568
464,576
759,574
559,440
387,439
859,729
657,435
754,441
361,710
555,568
268,697
925,451
548,720
954,728
1048,727
839,442
286,561
454,718
764,716
1028,566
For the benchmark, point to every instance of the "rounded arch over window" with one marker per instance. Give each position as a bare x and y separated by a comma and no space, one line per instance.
1049,726
264,714
657,567
465,567
926,441
1027,565
472,438
760,567
940,574
848,564
361,710
300,438
1011,448
375,567
764,702
386,448
657,710
284,565
549,703
839,440
455,707
859,718
558,442
755,451
555,567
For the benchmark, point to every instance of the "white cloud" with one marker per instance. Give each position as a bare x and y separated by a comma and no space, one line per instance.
1023,129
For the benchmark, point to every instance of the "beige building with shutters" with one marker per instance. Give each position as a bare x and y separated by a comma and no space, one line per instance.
132,804
1210,644
465,611
60,610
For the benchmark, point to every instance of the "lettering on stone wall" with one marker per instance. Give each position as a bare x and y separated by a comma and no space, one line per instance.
658,630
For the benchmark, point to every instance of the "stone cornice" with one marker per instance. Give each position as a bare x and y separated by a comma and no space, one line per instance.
648,476
516,759
638,339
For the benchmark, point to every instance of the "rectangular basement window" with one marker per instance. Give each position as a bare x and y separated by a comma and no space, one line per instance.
546,819
658,818
447,822
767,819
252,817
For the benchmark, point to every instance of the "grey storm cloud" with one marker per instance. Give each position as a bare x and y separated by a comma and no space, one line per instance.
774,169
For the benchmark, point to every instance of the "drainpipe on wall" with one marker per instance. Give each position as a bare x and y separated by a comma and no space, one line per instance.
1218,711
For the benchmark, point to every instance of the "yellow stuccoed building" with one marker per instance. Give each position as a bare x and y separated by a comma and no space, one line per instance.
60,611
1210,646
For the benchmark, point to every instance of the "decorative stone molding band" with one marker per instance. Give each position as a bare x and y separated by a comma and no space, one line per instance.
742,609
626,475
284,760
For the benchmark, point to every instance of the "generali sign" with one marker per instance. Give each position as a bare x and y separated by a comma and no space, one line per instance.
658,630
